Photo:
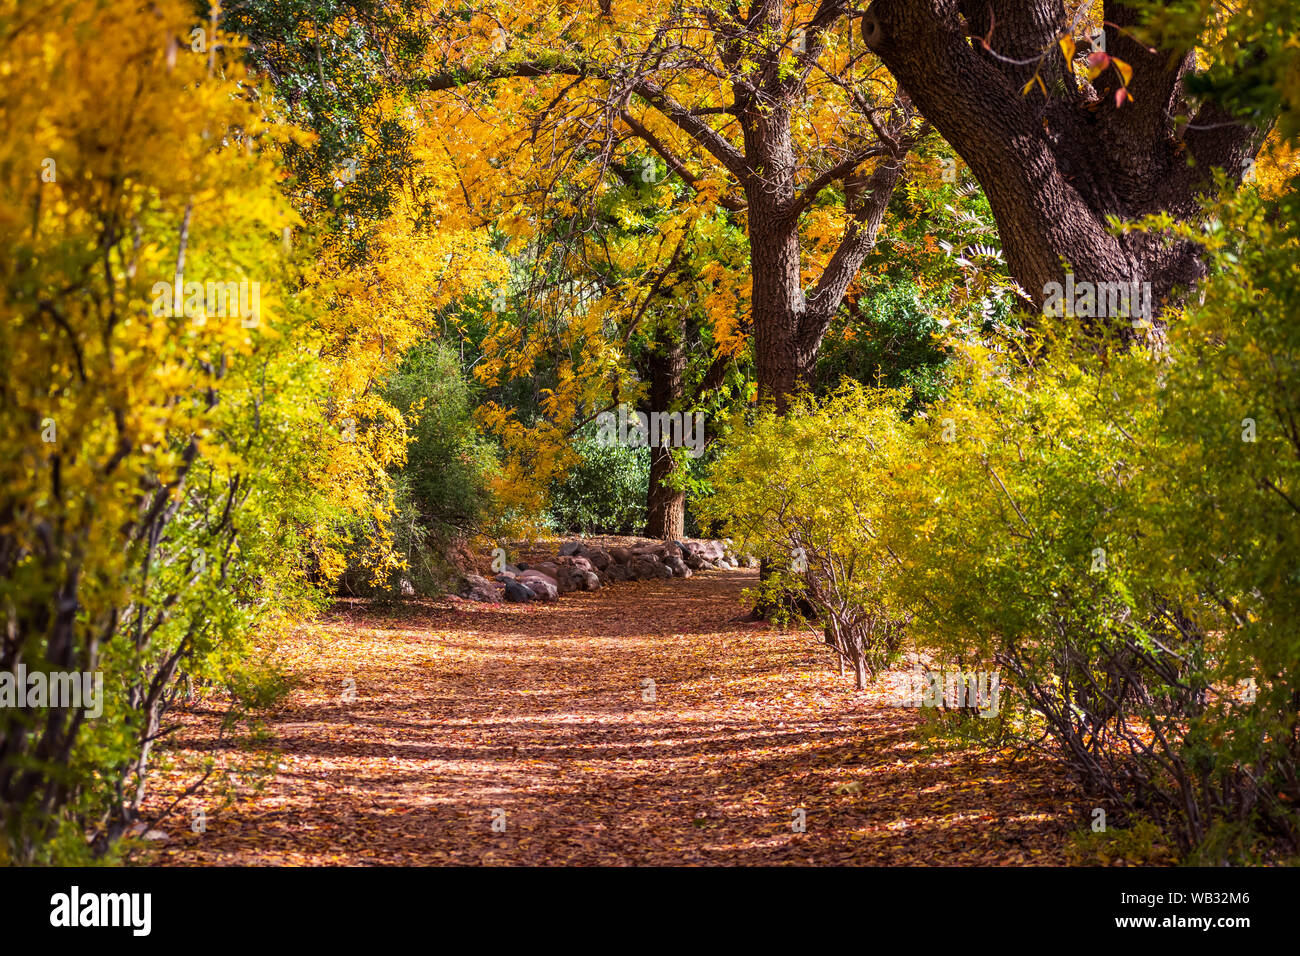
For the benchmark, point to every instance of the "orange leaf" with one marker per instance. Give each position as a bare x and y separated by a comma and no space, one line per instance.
1125,71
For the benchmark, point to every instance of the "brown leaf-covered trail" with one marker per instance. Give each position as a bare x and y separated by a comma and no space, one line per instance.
463,711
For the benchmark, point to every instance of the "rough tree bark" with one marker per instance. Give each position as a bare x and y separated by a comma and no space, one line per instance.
1054,168
665,506
789,324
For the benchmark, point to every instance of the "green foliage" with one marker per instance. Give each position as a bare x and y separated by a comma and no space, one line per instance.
890,341
334,63
605,493
1113,526
1249,51
1139,843
442,490
811,493
448,464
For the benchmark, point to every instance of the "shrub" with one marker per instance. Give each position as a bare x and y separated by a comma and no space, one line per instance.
1052,517
889,341
1065,538
811,494
604,494
441,491
448,464
171,477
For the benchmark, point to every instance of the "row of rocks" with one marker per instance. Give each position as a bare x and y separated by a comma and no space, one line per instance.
583,567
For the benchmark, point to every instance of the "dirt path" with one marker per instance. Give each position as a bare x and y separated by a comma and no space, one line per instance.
540,711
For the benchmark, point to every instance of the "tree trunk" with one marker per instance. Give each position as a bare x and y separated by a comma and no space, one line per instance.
1056,167
778,303
789,325
666,506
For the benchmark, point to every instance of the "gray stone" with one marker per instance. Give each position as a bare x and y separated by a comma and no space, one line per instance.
569,579
517,593
543,588
477,588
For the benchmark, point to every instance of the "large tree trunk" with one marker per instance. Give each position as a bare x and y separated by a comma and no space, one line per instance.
789,325
777,301
666,506
1054,168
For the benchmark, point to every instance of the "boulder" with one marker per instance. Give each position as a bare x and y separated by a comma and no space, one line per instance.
476,588
517,593
504,576
599,557
615,572
569,578
577,561
677,566
707,550
570,548
529,576
549,568
543,588
621,555
645,554
592,580
644,566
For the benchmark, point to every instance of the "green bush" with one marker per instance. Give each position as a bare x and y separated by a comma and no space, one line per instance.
803,492
604,494
890,342
448,463
441,494
1115,528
